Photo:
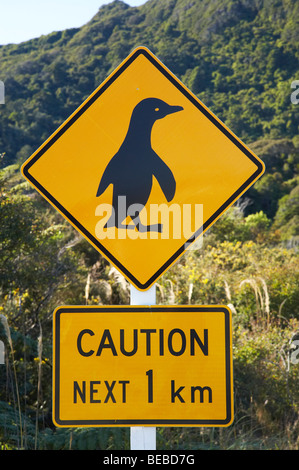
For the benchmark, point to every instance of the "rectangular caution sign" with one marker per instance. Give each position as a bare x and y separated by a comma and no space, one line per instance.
142,366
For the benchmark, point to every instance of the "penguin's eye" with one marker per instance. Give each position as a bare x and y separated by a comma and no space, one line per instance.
157,109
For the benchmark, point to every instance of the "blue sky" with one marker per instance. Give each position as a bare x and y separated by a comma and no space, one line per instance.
21,20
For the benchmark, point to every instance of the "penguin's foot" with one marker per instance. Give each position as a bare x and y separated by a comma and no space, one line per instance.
149,228
127,227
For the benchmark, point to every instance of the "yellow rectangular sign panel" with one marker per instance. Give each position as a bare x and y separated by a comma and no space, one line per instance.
142,168
142,366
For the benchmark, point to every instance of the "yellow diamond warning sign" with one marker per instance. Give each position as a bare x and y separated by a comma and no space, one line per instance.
147,366
142,168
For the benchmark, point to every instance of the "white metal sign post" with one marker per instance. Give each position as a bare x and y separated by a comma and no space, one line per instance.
143,438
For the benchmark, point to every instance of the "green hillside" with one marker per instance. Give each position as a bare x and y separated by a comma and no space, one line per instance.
240,57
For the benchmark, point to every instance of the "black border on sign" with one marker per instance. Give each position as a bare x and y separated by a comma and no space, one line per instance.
139,422
81,110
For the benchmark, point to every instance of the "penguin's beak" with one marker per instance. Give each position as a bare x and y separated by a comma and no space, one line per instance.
174,109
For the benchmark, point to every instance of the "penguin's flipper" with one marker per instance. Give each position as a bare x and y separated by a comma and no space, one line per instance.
165,178
107,178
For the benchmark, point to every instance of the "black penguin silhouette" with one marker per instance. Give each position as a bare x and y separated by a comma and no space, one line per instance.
132,168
